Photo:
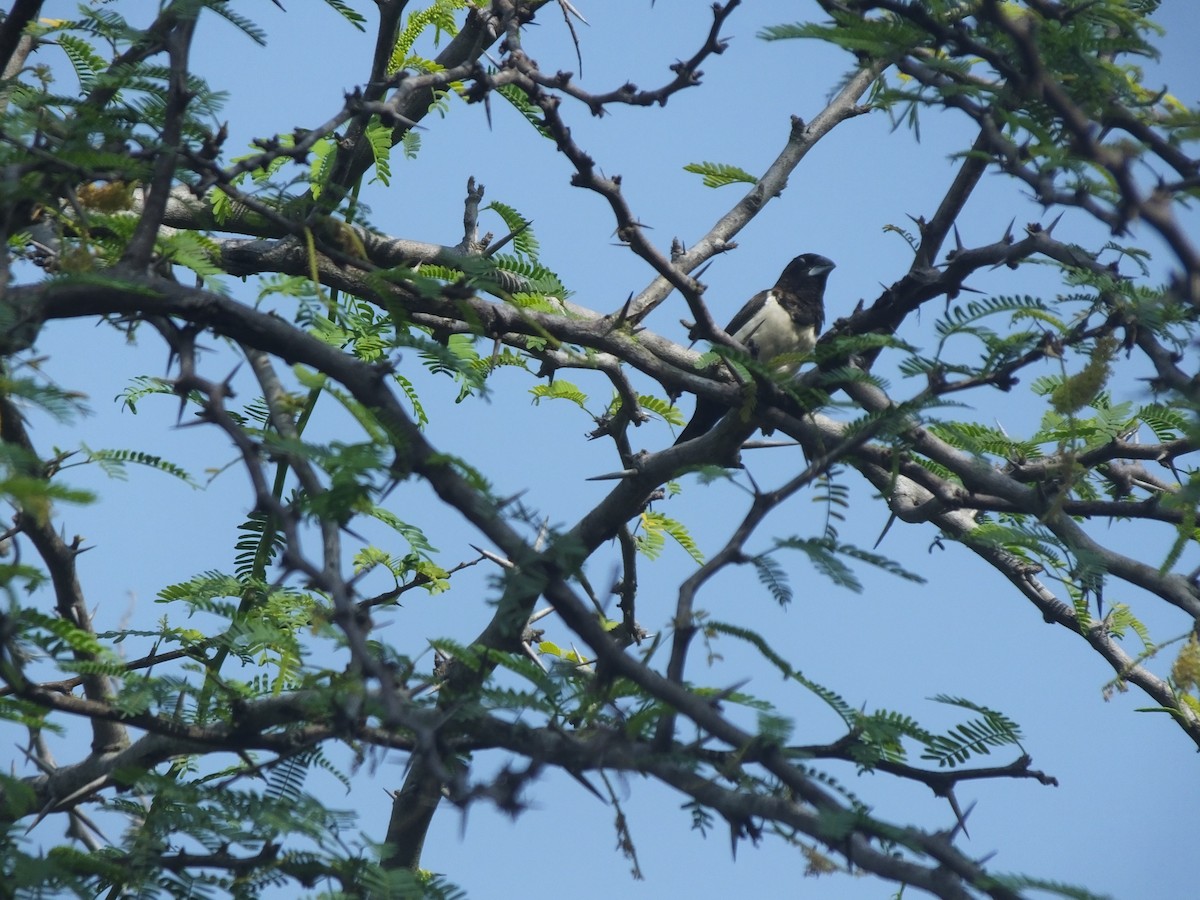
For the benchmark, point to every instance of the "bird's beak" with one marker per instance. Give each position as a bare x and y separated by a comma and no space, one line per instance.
821,268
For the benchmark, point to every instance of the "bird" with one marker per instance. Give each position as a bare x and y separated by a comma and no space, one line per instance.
784,320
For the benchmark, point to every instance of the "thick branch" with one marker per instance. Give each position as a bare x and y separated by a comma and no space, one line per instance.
59,558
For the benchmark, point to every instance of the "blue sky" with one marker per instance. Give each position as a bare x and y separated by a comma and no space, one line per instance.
1122,819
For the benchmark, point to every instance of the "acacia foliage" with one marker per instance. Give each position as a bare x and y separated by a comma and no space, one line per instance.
122,205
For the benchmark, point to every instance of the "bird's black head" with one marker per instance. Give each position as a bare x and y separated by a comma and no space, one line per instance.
806,269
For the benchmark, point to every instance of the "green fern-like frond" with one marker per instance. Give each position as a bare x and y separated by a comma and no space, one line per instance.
831,698
559,389
506,358
964,319
835,496
909,238
775,729
879,562
410,391
773,577
86,62
1167,422
524,242
439,15
79,640
434,579
840,346
793,32
536,278
23,714
531,112
113,462
416,538
203,588
882,36
1083,610
286,781
917,365
825,555
1121,619
255,413
657,522
1005,349
33,493
355,18
1186,533
1112,421
1021,540
1083,432
1040,314
535,302
457,358
983,440
369,558
223,206
247,26
526,669
321,165
1001,722
62,405
754,639
318,760
140,694
664,409
750,701
720,174
379,138
259,542
880,737
410,143
893,421
972,738
196,252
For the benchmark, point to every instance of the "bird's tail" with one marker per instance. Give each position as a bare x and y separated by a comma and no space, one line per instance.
706,416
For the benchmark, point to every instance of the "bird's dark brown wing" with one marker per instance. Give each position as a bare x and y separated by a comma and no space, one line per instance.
743,316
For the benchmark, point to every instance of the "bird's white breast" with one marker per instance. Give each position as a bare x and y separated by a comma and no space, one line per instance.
771,332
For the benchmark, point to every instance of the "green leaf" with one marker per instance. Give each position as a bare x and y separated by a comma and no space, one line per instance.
523,242
559,389
1167,422
410,143
656,524
415,536
531,112
86,62
664,409
971,738
824,554
773,576
113,462
411,393
196,252
243,24
439,16
355,18
322,164
379,138
719,174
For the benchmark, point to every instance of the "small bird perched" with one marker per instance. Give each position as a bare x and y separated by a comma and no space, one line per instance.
784,320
